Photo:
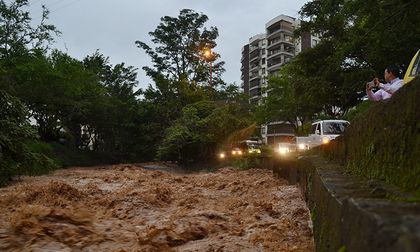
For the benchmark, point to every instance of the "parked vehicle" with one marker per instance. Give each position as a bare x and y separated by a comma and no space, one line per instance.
285,148
236,152
250,147
302,143
322,132
243,148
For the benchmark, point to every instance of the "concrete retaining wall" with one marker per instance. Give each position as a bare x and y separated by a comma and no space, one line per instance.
351,213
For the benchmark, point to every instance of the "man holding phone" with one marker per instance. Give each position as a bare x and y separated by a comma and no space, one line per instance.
385,91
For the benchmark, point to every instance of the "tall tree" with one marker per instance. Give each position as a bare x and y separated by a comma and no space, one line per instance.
15,155
202,127
180,54
292,97
367,34
114,119
17,34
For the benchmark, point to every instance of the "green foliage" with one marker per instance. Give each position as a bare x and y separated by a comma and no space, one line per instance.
16,156
195,110
293,97
368,34
197,133
87,112
359,109
179,55
17,32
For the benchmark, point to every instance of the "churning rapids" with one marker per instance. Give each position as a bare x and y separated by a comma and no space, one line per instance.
129,208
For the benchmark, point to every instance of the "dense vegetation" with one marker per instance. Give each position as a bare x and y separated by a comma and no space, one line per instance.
57,110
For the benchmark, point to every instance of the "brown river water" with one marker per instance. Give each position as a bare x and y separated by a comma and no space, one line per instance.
129,208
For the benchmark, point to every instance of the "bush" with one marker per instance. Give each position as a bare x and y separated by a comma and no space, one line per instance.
358,110
16,156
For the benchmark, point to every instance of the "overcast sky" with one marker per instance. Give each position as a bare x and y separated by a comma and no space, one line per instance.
112,26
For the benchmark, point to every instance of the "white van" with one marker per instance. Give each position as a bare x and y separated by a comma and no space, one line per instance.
322,132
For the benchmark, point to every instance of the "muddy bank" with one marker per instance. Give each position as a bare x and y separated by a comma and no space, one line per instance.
128,208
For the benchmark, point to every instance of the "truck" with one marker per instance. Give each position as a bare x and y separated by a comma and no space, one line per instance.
322,132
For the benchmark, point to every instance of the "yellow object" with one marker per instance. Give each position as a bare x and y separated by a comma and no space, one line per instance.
325,140
413,69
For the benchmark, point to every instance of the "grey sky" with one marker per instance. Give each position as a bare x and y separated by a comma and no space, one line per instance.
113,26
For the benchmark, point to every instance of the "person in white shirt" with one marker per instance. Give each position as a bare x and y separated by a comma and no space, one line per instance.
385,91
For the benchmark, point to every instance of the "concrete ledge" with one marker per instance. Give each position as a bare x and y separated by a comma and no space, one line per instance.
350,213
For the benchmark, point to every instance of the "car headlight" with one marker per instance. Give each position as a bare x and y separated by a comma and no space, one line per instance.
233,152
222,155
302,146
283,150
325,140
258,151
239,152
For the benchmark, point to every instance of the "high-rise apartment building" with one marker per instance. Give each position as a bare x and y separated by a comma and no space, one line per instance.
263,56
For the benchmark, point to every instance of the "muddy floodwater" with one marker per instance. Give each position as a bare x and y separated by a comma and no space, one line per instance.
129,208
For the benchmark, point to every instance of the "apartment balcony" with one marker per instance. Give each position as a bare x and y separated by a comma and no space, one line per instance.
253,48
254,68
255,83
255,92
254,54
279,32
255,59
273,54
274,65
254,77
278,42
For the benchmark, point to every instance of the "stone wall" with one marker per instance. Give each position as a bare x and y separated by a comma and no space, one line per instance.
384,142
350,213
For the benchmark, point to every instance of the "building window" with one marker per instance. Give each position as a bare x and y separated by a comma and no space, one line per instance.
263,70
288,38
263,61
314,42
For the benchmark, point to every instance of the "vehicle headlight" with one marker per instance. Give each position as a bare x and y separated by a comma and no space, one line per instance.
325,140
239,152
302,146
283,150
222,155
250,151
233,152
258,151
